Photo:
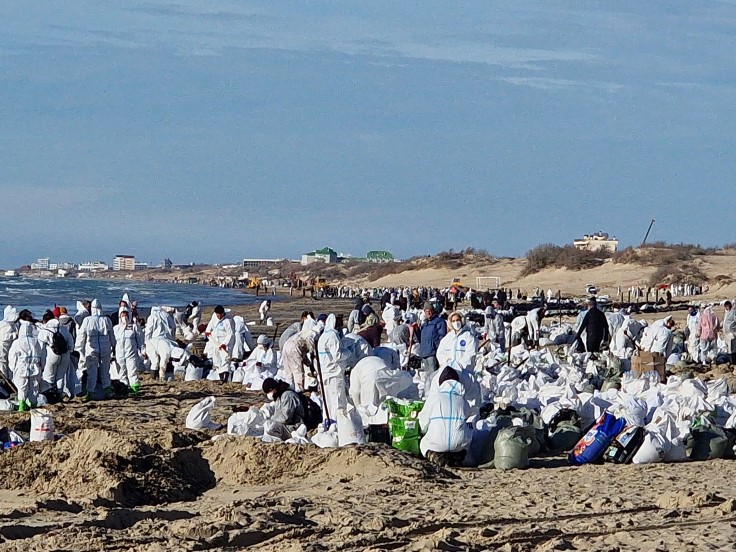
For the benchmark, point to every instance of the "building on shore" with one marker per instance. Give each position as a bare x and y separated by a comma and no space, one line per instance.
123,262
254,263
93,266
379,257
600,241
325,255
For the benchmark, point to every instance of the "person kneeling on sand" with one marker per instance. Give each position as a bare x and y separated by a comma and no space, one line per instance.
443,422
288,412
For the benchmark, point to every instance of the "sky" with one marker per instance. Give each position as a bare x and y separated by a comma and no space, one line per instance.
214,131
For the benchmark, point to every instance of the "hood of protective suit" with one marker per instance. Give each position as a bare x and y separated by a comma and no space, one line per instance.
26,329
452,387
330,323
126,299
10,315
96,307
307,327
52,324
80,307
239,321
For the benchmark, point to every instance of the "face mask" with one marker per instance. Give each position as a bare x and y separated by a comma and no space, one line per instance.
456,325
270,396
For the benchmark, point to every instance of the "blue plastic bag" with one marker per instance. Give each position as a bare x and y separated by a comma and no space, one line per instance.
594,443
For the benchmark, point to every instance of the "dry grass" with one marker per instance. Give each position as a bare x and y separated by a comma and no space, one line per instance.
555,256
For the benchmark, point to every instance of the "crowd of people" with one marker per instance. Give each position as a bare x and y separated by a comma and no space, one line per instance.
413,344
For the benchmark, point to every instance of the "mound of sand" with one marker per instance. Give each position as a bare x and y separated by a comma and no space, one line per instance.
105,467
238,460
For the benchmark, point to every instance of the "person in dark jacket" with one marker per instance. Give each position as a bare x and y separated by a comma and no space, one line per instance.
595,325
431,333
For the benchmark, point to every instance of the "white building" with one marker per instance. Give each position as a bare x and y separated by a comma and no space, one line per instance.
93,266
600,241
41,264
123,262
325,255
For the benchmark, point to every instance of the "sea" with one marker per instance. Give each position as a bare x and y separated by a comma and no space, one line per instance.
39,294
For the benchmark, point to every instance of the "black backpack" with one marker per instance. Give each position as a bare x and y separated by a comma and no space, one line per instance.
59,345
312,412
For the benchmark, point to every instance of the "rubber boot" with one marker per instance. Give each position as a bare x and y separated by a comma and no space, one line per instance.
135,389
109,392
88,397
22,407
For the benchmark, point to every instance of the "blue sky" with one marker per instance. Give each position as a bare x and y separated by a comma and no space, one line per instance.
215,131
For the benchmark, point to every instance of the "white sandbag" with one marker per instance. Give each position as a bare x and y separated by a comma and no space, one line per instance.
653,449
248,423
213,375
42,425
6,404
349,427
193,373
299,436
238,375
717,388
326,439
633,410
199,416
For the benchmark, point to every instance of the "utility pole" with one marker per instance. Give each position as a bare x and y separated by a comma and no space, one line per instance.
647,235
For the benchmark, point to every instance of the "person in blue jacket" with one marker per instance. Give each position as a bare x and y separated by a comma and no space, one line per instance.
431,333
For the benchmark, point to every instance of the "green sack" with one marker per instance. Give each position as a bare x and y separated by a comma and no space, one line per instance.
708,443
403,409
511,449
403,424
405,434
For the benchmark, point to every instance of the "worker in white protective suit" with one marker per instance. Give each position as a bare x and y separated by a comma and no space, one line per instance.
495,328
657,338
95,342
615,319
443,422
264,309
8,334
264,356
129,345
626,338
533,323
57,372
159,340
83,311
459,346
359,347
26,363
729,331
693,343
195,317
389,355
294,358
372,381
221,334
391,316
243,339
333,359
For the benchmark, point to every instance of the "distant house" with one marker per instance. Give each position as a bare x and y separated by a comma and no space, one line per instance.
93,266
254,263
600,241
325,255
123,262
41,264
379,257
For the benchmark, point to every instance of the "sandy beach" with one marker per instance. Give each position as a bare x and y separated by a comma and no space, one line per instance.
128,476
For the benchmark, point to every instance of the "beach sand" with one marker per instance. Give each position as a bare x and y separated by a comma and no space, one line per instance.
128,476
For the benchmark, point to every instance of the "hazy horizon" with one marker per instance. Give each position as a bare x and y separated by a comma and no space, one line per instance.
210,133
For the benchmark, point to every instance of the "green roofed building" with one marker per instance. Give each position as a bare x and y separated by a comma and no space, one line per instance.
379,257
325,255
